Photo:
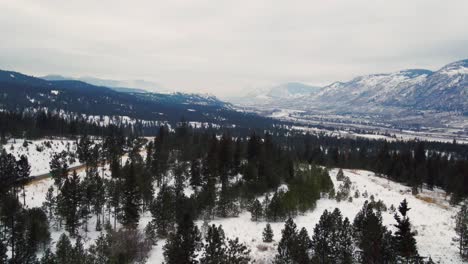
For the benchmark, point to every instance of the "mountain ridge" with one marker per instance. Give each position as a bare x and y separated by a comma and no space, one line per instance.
445,89
20,92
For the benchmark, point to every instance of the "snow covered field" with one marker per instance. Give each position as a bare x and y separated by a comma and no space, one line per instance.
432,221
40,152
431,216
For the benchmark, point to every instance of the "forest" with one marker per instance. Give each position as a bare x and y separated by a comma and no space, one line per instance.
228,172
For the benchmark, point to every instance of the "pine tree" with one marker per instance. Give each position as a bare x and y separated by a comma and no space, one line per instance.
372,237
345,247
237,253
79,253
23,170
256,210
195,173
340,175
163,211
214,248
36,229
224,202
84,151
131,198
322,240
100,251
69,202
237,157
405,243
3,251
64,251
59,168
287,244
461,229
50,203
267,234
181,245
304,244
25,245
150,233
225,157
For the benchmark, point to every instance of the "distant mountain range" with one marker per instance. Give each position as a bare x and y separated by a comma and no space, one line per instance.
273,95
416,89
19,92
126,86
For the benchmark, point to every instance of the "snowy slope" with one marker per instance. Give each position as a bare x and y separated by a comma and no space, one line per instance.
274,96
39,153
432,221
385,89
414,89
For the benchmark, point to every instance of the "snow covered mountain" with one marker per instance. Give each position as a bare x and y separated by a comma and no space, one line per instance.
276,94
21,92
370,91
126,86
413,89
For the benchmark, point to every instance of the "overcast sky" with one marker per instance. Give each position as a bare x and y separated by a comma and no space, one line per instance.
230,47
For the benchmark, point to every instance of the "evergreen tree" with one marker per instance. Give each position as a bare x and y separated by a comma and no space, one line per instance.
69,202
25,246
405,243
182,245
100,251
195,173
84,151
59,168
237,253
64,250
340,175
36,229
267,234
345,246
256,211
23,169
3,251
372,237
304,244
150,232
288,244
131,198
163,211
50,203
325,235
79,253
461,229
214,248
237,156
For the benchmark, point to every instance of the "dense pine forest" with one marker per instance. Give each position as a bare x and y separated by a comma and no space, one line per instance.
228,172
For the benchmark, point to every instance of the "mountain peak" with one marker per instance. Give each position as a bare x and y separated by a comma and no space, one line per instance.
455,68
415,72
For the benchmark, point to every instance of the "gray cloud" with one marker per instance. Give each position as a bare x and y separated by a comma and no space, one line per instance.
225,47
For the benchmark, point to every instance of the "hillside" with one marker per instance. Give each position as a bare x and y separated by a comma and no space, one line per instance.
415,89
20,92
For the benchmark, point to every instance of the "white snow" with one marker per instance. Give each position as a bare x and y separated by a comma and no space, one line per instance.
432,221
456,71
431,217
38,152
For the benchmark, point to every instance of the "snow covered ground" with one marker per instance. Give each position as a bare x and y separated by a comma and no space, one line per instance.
432,220
40,152
431,215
